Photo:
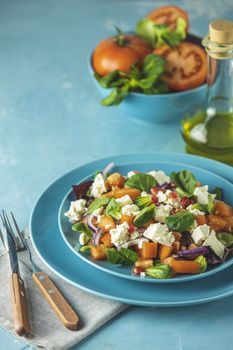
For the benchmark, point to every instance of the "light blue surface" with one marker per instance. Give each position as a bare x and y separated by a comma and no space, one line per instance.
71,238
51,121
50,245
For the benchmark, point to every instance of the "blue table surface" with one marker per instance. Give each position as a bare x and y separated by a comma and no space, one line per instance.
51,121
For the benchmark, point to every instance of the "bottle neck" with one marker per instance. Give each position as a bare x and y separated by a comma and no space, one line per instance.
220,77
220,84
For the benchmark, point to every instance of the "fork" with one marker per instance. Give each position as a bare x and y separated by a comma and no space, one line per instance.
48,289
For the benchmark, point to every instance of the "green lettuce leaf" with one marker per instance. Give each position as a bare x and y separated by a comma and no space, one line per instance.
225,238
159,271
203,263
82,228
114,209
97,203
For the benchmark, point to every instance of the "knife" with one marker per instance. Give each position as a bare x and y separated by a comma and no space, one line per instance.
22,324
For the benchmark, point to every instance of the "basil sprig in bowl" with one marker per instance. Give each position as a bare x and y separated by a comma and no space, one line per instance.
161,107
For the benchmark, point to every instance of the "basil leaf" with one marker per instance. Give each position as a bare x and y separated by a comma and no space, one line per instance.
122,257
143,202
159,271
185,182
152,68
173,38
97,203
159,34
158,88
107,80
115,97
114,209
144,216
82,228
135,72
180,221
225,238
203,263
141,181
219,193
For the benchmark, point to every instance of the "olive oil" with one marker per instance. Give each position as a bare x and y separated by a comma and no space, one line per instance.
209,132
213,139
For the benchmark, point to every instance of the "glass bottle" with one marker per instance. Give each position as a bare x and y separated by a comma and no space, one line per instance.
209,132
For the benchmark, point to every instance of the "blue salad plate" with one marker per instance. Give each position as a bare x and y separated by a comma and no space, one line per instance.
204,176
55,252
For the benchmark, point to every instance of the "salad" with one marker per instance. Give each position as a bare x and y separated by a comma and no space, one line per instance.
158,57
162,225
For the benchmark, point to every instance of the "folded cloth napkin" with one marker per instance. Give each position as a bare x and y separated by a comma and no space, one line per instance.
48,331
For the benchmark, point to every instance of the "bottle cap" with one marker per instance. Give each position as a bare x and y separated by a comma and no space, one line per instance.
221,31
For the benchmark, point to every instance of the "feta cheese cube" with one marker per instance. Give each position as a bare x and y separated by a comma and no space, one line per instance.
76,210
200,233
162,197
130,209
144,194
98,186
124,200
195,211
160,177
134,235
215,244
162,211
202,194
159,233
120,234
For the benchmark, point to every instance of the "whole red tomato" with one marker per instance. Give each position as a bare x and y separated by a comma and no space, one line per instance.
119,53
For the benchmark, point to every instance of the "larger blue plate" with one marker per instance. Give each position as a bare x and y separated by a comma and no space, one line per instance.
52,249
204,176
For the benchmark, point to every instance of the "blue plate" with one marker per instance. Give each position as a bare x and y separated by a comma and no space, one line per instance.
52,249
203,176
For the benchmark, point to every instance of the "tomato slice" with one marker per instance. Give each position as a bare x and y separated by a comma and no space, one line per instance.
186,66
168,15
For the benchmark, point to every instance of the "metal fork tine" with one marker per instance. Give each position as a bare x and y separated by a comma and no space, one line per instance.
20,235
7,225
2,239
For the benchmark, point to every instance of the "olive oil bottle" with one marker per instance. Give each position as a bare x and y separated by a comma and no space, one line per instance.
209,132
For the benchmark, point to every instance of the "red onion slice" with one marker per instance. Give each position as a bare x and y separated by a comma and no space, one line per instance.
88,221
96,238
137,241
195,251
107,169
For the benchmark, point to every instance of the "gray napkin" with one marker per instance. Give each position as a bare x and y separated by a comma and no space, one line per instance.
48,331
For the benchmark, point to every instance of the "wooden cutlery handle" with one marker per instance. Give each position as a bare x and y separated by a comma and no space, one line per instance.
19,303
58,303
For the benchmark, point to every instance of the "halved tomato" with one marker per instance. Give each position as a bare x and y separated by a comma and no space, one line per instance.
168,15
186,65
119,53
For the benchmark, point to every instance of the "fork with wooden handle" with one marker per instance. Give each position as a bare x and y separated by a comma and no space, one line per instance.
48,289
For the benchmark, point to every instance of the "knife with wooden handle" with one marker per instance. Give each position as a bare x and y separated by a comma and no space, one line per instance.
19,304
48,289
56,300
